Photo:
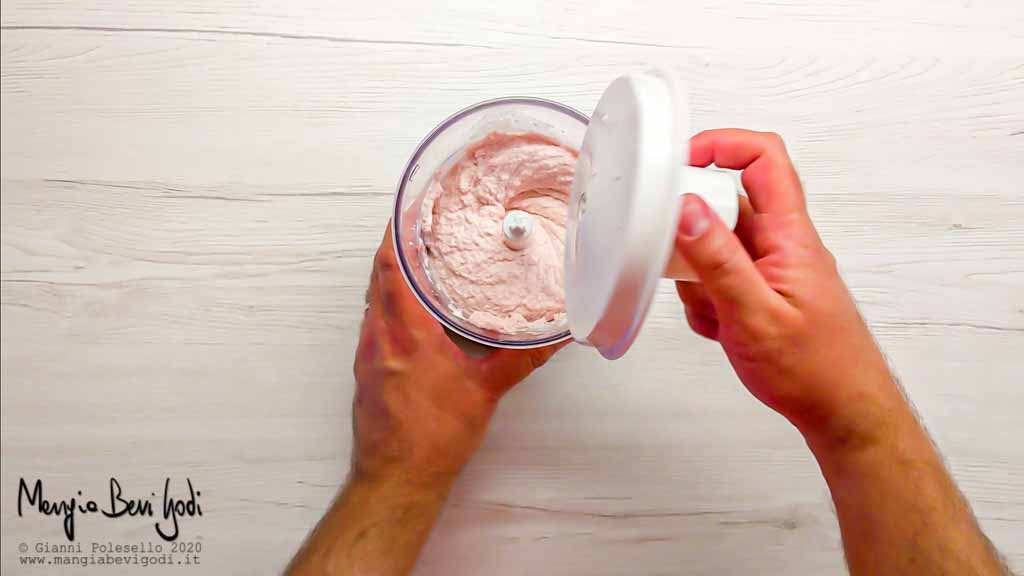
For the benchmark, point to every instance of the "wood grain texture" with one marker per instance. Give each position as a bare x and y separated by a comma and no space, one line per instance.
191,193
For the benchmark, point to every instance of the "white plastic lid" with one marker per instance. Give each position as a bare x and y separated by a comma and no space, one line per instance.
624,208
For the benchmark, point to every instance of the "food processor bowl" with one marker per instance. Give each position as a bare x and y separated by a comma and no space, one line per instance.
442,147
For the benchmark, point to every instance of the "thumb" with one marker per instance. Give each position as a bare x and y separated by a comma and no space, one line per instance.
733,283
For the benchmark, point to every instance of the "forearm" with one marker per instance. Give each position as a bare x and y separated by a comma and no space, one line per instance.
374,527
899,510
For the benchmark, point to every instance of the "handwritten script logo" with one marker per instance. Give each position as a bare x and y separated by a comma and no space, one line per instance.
119,506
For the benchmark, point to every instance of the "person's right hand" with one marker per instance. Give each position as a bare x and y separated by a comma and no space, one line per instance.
772,296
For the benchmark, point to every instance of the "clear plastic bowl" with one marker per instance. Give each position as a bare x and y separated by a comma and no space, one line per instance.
443,146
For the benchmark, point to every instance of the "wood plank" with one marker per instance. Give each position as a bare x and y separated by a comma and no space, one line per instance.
190,198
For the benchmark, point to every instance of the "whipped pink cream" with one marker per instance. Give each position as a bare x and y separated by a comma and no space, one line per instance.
487,283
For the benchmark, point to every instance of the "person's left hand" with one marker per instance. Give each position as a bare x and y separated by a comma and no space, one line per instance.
421,405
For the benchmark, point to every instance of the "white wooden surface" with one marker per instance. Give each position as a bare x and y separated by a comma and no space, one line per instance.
191,192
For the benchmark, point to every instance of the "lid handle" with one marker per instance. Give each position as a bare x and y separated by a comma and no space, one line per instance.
720,191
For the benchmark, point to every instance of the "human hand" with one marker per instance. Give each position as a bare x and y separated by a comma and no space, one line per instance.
772,296
421,405
420,410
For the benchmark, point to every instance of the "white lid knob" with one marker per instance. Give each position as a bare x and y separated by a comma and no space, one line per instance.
517,228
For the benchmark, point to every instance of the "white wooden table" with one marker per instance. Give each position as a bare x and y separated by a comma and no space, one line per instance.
192,190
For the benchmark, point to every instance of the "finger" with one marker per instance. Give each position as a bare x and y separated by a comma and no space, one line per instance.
702,324
382,333
369,347
746,230
733,283
768,173
387,279
700,311
694,295
390,291
504,368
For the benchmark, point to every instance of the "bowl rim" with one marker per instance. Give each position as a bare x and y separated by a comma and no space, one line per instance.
411,165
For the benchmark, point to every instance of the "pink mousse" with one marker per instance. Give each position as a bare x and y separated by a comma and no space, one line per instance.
487,283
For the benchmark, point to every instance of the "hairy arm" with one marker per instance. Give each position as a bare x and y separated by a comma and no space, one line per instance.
772,296
372,528
900,512
420,411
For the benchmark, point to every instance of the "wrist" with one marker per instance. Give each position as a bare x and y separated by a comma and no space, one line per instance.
899,448
365,501
871,414
873,432
398,484
376,525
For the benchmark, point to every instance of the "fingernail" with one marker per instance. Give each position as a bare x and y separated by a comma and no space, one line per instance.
693,221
